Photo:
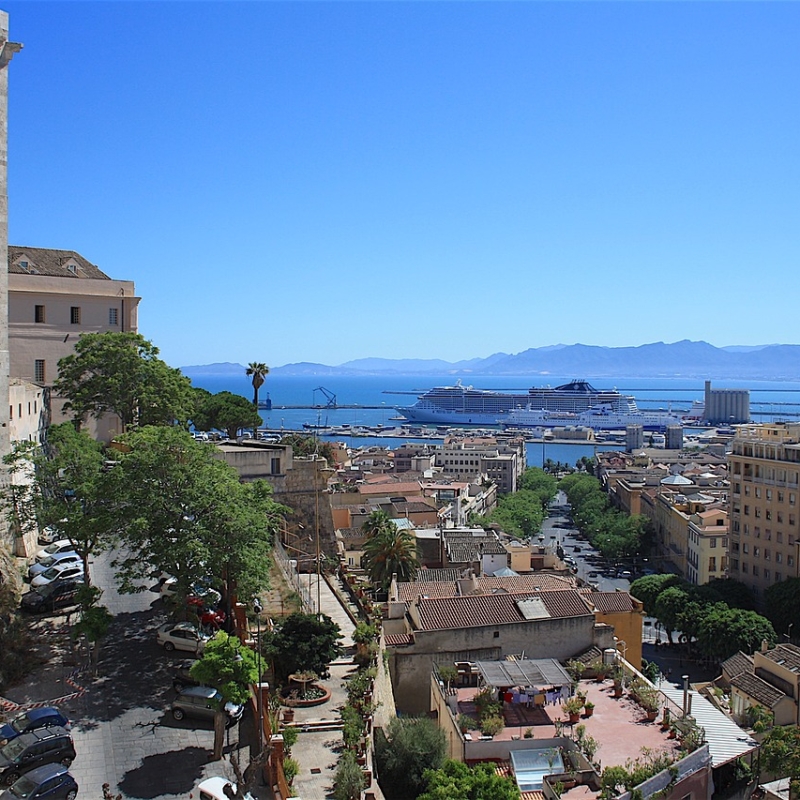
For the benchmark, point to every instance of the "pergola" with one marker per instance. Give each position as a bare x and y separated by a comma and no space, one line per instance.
536,672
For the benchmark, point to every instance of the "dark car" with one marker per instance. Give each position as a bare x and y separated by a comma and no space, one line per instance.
35,749
31,720
60,593
51,782
181,677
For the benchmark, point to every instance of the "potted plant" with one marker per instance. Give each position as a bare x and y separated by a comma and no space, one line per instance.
650,701
491,726
588,708
600,668
572,708
528,733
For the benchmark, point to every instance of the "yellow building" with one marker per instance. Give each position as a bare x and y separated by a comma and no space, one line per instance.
764,468
707,551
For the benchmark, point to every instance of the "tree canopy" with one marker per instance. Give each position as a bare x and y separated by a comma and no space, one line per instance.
414,747
304,642
389,550
780,755
120,373
68,491
227,666
304,445
224,411
183,511
783,604
456,781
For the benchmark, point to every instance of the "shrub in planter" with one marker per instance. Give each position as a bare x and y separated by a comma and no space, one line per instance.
466,723
573,707
588,707
491,726
291,769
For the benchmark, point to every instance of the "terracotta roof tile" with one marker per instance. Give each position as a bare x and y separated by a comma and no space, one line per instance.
761,691
737,664
787,655
609,602
51,263
398,639
484,610
535,581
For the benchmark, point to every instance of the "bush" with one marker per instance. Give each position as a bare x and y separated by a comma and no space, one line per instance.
349,781
291,769
491,726
414,745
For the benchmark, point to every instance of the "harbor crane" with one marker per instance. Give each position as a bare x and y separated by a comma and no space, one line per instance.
329,396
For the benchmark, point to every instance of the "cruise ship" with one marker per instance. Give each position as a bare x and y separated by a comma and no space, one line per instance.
464,405
598,418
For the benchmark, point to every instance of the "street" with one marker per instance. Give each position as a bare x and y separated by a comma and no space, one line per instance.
124,734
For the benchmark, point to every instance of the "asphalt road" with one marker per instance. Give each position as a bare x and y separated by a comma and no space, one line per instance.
124,734
558,529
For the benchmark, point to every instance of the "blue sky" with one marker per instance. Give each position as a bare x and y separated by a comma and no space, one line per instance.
325,181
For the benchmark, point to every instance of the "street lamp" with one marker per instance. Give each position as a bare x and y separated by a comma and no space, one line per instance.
257,608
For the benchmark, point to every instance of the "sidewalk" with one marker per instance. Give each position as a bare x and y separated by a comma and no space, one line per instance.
317,752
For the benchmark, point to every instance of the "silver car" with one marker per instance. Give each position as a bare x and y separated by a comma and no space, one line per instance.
203,702
181,636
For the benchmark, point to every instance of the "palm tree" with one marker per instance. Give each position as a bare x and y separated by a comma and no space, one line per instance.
389,550
258,371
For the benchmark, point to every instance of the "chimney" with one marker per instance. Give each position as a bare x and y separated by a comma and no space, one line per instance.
764,645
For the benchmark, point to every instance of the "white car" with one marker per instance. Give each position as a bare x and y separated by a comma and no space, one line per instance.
214,789
60,546
68,557
59,571
181,636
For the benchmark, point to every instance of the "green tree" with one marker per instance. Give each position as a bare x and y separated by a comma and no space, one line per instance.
540,483
735,593
389,550
230,668
225,411
649,587
723,631
780,755
303,445
304,642
68,490
120,373
456,781
783,604
669,605
257,371
183,511
94,622
519,514
414,746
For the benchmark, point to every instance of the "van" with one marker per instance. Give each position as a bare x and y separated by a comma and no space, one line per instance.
34,749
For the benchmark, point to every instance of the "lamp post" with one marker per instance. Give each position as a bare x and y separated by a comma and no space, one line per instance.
258,609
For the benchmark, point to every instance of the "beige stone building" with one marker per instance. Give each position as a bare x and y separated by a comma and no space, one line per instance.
53,297
764,468
707,547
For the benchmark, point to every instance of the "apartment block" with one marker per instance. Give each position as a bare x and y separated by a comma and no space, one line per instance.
471,457
764,468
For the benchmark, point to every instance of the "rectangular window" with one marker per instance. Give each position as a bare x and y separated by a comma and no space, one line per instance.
712,564
780,497
756,552
790,561
712,542
767,554
38,313
779,537
745,547
779,557
113,316
778,577
755,571
747,511
744,567
767,574
75,315
38,370
758,491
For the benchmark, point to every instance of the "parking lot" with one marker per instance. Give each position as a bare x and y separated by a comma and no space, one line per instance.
124,734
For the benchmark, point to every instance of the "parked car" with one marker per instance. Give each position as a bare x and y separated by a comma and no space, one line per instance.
49,535
66,557
181,636
215,789
200,591
60,571
35,749
181,676
594,574
50,782
202,702
60,593
59,546
31,720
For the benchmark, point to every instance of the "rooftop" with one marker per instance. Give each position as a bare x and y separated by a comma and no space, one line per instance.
51,263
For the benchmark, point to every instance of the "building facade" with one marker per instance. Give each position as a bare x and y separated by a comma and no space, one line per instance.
764,469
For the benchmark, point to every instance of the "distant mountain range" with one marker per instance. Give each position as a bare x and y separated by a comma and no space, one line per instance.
680,359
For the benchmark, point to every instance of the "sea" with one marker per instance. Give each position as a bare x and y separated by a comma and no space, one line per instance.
377,396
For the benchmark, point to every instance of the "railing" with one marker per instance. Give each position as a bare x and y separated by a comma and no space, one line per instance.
293,577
